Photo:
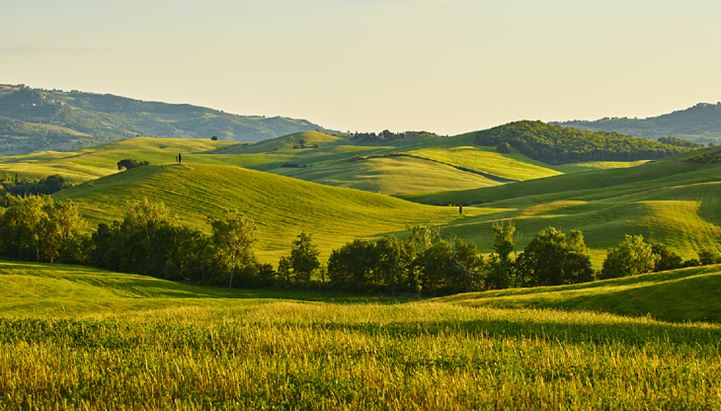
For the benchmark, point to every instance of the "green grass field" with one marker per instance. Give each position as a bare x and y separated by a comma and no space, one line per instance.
431,165
673,202
73,337
282,207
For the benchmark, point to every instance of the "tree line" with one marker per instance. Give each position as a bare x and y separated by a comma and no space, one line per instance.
149,240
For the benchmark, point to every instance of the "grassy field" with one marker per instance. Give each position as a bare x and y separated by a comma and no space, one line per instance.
429,166
85,339
282,207
673,202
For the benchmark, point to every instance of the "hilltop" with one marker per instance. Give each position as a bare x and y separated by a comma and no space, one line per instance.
700,123
560,145
37,119
282,207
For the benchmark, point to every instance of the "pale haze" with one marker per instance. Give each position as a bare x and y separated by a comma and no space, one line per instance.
444,66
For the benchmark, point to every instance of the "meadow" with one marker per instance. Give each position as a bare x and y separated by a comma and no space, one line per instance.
73,337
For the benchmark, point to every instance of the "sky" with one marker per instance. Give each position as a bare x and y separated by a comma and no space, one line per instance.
446,66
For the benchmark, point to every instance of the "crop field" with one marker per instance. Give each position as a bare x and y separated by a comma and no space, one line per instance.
79,338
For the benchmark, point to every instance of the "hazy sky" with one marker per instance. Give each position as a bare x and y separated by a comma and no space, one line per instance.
445,66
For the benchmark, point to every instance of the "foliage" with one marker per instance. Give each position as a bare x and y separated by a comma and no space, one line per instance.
233,238
553,258
46,185
559,145
667,258
708,256
35,228
632,256
128,164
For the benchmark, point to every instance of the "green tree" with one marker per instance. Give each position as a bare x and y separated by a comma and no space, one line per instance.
632,256
708,256
233,237
304,259
553,258
667,258
500,270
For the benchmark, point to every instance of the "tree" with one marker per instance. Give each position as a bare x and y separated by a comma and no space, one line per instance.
22,225
667,258
304,259
392,265
61,235
708,256
349,267
553,258
503,148
233,238
130,164
501,269
632,256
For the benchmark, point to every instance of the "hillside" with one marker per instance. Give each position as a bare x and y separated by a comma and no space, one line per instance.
671,201
681,295
41,120
700,123
282,207
561,145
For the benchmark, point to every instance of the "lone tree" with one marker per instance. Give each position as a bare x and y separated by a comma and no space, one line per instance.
128,163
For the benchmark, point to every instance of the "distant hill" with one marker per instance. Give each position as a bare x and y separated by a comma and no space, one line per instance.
700,123
559,145
36,119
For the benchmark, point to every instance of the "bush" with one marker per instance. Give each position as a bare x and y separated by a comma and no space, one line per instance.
128,164
708,256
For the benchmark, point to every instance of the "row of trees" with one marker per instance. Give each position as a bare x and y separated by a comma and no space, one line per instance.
46,185
148,240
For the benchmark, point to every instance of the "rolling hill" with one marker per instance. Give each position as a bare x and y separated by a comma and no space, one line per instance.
700,123
560,145
41,120
282,207
672,201
680,295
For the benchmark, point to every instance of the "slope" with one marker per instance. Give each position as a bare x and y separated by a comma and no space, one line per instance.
672,201
700,123
560,145
282,207
689,294
83,119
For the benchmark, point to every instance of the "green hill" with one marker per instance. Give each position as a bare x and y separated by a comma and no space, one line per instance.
295,141
689,294
41,120
561,145
672,201
700,123
282,207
